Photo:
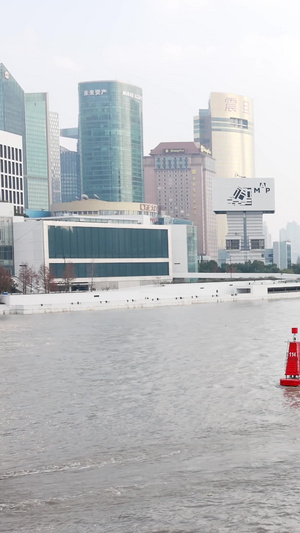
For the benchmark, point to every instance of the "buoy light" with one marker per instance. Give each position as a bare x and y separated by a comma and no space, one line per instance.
292,371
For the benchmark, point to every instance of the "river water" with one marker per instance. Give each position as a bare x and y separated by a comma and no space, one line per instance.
161,420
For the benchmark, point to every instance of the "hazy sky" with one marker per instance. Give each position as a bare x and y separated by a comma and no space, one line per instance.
177,51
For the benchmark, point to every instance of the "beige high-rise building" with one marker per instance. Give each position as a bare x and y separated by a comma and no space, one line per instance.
178,178
226,128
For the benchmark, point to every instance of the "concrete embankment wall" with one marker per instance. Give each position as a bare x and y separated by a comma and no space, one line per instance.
146,296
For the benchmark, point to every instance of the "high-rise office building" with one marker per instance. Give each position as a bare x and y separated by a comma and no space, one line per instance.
12,109
54,158
226,129
178,177
282,255
37,150
111,141
70,176
291,233
12,112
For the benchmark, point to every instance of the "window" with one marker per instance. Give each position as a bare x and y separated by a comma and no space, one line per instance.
257,244
239,123
232,244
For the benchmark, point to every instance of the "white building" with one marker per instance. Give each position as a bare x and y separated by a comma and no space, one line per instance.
11,170
110,252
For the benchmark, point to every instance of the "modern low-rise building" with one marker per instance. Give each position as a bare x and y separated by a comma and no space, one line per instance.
106,244
100,253
98,207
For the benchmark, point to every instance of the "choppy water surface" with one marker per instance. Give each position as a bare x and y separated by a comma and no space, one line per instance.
155,420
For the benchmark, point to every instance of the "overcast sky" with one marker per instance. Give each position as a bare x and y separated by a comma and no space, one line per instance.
178,52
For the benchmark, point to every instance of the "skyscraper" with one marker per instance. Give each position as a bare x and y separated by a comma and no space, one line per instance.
12,117
37,146
291,233
54,158
111,141
12,110
178,177
70,176
226,128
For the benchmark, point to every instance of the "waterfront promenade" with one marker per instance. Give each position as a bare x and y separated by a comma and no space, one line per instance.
151,296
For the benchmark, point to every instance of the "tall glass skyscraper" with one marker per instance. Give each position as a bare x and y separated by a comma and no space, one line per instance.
111,141
12,114
37,134
70,176
12,110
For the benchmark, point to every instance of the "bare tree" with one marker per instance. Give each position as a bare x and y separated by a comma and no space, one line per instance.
46,279
33,279
68,276
24,277
6,282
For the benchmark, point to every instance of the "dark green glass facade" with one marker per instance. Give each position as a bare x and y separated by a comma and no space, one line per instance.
70,176
111,141
6,243
107,243
12,107
71,242
113,270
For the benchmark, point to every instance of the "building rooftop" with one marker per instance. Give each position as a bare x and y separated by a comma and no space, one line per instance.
175,148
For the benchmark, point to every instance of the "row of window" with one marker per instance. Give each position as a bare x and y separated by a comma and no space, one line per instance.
14,197
9,152
239,122
235,244
11,182
172,162
111,270
10,167
99,242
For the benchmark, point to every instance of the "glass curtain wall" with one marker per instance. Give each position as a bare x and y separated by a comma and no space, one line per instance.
111,141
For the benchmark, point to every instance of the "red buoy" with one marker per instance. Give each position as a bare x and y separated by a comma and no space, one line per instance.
292,371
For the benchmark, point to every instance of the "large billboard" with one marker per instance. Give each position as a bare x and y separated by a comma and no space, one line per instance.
243,194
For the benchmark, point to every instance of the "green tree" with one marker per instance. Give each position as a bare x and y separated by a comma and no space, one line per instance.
208,266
